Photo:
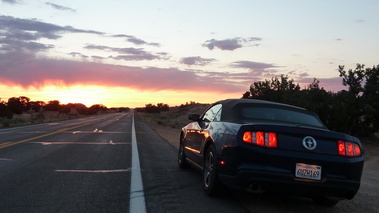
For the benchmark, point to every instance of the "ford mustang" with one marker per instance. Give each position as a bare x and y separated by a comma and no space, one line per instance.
267,146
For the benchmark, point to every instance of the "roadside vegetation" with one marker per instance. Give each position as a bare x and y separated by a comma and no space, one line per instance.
354,111
18,111
171,117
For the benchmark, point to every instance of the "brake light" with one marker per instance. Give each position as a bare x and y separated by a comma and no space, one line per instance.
349,149
265,139
259,138
272,139
247,137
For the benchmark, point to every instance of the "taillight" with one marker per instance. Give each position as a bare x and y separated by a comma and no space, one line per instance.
266,139
247,137
349,149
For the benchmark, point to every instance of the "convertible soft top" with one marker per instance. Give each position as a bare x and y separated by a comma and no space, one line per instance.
228,106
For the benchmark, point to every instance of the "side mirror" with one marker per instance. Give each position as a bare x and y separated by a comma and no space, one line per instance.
194,117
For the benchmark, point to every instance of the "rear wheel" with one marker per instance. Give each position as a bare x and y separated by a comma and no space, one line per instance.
211,184
325,201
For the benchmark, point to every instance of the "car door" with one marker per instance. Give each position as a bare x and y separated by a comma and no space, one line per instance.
201,134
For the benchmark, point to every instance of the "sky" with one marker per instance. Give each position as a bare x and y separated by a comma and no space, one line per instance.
123,53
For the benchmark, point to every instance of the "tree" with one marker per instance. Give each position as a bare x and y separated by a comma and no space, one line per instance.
363,84
163,107
353,79
94,109
5,112
80,108
36,105
19,105
274,89
370,98
355,111
52,106
64,109
150,108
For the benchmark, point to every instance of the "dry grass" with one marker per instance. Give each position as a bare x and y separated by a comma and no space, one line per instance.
168,124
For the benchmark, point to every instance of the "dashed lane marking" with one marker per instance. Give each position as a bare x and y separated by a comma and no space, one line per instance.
8,144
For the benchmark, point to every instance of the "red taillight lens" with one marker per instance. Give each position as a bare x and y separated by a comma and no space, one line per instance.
266,139
357,150
260,138
349,149
341,148
272,139
247,137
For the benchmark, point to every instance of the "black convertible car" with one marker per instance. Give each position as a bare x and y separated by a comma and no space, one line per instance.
266,146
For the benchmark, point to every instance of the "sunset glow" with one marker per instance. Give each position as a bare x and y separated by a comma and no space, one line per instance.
110,97
66,52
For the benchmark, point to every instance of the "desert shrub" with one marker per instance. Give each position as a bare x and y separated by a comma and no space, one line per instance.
6,122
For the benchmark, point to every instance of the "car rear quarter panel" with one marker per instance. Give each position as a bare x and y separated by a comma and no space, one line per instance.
224,135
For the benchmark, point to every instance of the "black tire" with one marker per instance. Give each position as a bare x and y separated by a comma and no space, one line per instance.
182,162
211,183
324,201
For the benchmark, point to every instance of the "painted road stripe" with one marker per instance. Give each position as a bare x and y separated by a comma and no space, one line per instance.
4,145
94,171
137,197
82,143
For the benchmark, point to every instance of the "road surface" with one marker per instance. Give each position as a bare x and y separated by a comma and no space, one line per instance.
90,165
85,165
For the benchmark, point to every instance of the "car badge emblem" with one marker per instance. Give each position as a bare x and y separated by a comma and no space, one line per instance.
309,143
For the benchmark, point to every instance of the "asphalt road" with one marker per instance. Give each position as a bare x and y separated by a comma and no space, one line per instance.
85,165
71,166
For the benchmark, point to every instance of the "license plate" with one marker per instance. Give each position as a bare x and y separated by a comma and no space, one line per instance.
308,171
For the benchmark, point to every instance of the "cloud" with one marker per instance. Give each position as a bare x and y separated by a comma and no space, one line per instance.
329,84
26,70
40,29
303,75
128,53
59,7
11,1
231,44
196,60
257,69
25,34
16,33
75,54
134,40
13,45
251,65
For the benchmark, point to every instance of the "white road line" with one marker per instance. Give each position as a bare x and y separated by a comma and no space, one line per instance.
94,171
81,143
137,197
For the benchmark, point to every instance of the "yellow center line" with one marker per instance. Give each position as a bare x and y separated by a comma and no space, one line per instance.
8,144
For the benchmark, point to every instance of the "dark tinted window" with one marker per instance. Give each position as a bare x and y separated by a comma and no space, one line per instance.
278,114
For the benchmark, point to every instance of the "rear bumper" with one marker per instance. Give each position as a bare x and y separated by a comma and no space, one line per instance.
288,184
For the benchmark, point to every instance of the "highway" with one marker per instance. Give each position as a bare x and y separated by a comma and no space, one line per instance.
86,165
116,163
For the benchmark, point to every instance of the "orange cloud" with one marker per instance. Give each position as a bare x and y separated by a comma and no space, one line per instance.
25,70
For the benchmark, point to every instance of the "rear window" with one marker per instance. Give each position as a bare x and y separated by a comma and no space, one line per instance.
278,114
